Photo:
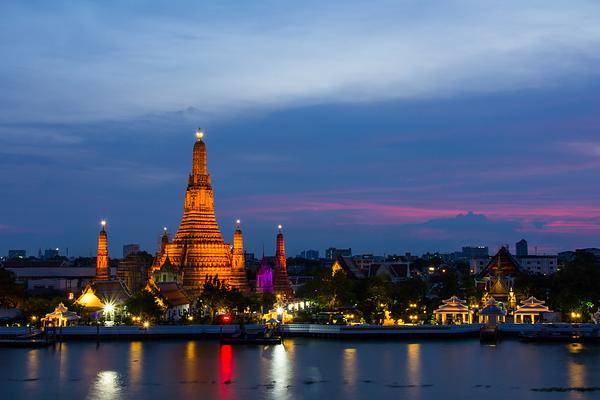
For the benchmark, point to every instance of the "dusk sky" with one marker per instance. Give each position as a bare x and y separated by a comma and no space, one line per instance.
386,127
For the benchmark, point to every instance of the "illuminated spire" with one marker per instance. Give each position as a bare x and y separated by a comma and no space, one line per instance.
238,261
199,155
164,240
102,272
280,251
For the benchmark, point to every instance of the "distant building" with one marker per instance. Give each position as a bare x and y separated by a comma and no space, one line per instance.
469,252
12,254
310,254
333,253
49,254
522,250
133,270
42,275
545,265
130,249
476,265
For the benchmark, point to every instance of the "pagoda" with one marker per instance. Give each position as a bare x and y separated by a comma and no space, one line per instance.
281,282
198,249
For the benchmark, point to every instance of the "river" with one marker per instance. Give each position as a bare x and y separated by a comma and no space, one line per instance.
302,369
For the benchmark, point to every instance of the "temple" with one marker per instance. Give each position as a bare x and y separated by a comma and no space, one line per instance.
198,249
497,279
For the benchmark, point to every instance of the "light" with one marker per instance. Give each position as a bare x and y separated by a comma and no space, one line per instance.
279,311
109,308
33,318
199,134
237,221
431,269
226,318
146,324
103,223
71,296
190,318
164,228
573,315
279,226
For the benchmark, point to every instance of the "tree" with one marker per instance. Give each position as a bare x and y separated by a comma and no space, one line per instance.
11,293
576,287
144,304
329,291
217,295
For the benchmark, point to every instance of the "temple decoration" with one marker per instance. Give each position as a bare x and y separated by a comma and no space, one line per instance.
281,282
198,249
102,270
454,310
531,308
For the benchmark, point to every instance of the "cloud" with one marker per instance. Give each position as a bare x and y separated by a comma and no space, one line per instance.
114,60
585,148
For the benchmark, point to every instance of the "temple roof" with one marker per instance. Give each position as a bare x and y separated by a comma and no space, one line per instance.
502,262
173,294
453,305
347,265
532,305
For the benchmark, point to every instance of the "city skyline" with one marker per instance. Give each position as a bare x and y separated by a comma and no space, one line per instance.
429,143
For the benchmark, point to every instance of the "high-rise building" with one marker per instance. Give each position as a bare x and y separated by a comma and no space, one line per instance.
333,253
130,249
17,254
198,249
469,252
310,254
49,254
522,250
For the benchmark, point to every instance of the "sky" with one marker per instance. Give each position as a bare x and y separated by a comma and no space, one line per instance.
387,127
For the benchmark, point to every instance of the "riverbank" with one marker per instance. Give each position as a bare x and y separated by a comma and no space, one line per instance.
158,332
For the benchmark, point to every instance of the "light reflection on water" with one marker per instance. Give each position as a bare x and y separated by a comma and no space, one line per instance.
107,386
413,363
301,368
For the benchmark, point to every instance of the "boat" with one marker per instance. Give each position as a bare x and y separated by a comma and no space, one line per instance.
268,341
261,337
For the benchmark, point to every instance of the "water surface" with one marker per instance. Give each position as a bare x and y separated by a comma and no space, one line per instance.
302,369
